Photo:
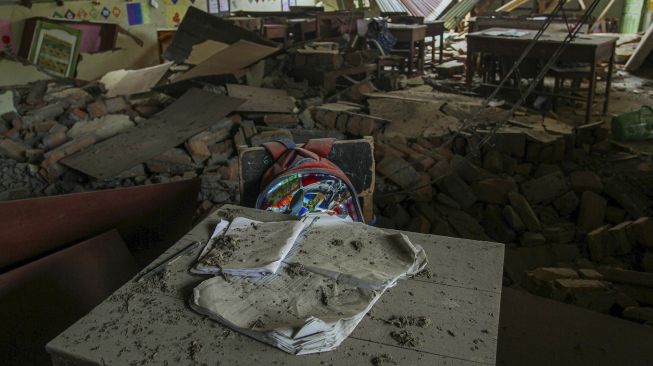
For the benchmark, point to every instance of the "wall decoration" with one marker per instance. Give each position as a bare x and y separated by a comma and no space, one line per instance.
94,13
69,15
6,43
137,13
57,14
106,13
81,13
116,11
174,15
55,48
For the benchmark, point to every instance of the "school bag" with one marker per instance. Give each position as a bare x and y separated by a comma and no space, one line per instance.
303,180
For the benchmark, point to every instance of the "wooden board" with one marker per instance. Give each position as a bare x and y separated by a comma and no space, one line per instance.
44,297
461,298
31,228
261,99
194,112
230,60
567,335
354,157
199,26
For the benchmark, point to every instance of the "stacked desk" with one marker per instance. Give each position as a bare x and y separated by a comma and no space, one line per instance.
154,325
413,35
589,49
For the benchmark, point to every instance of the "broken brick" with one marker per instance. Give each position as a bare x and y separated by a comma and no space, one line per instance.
545,188
582,181
641,231
525,212
592,211
12,149
398,170
494,190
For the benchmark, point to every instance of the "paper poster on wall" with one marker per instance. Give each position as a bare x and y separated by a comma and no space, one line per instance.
137,13
175,14
55,48
7,43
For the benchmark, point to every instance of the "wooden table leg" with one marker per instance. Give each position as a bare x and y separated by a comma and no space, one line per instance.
469,67
590,92
411,58
433,50
441,46
608,82
421,56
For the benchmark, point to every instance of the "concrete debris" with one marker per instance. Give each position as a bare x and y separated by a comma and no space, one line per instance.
573,207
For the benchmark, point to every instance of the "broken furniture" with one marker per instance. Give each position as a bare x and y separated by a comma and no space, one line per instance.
354,157
63,255
586,49
332,25
460,295
410,42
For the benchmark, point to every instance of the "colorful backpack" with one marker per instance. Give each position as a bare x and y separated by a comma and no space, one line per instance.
303,180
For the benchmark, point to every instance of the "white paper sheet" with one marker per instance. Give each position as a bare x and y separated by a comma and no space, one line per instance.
321,291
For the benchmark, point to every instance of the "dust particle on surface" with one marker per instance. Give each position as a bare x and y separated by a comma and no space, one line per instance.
336,242
383,360
404,321
404,338
357,244
296,269
194,349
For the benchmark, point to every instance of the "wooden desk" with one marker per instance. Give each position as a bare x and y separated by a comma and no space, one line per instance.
252,24
153,325
275,31
302,27
414,35
433,29
585,48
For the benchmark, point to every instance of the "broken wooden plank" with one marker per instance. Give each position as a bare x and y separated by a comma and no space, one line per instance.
194,112
261,99
199,26
229,60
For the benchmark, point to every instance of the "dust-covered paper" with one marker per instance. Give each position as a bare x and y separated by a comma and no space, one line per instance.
333,274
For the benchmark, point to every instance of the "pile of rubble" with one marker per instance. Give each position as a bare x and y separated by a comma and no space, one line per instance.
55,120
572,206
572,200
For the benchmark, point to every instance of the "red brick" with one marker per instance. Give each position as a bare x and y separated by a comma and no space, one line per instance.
12,149
96,109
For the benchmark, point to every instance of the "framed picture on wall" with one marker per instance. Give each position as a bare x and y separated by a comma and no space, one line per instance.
55,48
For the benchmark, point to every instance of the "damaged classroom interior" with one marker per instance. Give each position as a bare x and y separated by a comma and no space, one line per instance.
326,182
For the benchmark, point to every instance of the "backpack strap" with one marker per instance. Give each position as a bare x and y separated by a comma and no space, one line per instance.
278,148
321,147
